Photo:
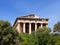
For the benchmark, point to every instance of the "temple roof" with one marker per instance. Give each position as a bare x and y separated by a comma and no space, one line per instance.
29,16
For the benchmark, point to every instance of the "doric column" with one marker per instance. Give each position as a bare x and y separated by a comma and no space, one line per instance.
41,25
18,27
46,25
35,26
23,27
29,28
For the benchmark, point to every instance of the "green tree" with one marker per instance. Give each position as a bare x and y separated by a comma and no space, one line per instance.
8,34
44,30
42,37
57,27
26,39
57,38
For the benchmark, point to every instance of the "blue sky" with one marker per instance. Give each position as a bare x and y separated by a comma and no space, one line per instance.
10,9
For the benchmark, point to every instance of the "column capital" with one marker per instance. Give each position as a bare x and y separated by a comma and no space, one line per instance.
29,22
18,22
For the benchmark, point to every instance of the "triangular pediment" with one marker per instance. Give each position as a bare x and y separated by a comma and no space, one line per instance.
30,16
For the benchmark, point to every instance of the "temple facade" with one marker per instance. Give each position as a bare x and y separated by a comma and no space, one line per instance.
29,23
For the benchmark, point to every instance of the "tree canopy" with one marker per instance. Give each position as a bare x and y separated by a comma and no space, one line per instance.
8,34
26,39
57,27
42,37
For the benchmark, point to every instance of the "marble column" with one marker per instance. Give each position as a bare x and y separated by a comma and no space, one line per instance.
41,25
29,28
35,26
46,25
23,27
18,27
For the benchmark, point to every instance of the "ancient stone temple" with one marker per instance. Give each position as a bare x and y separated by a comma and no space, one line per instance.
29,23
